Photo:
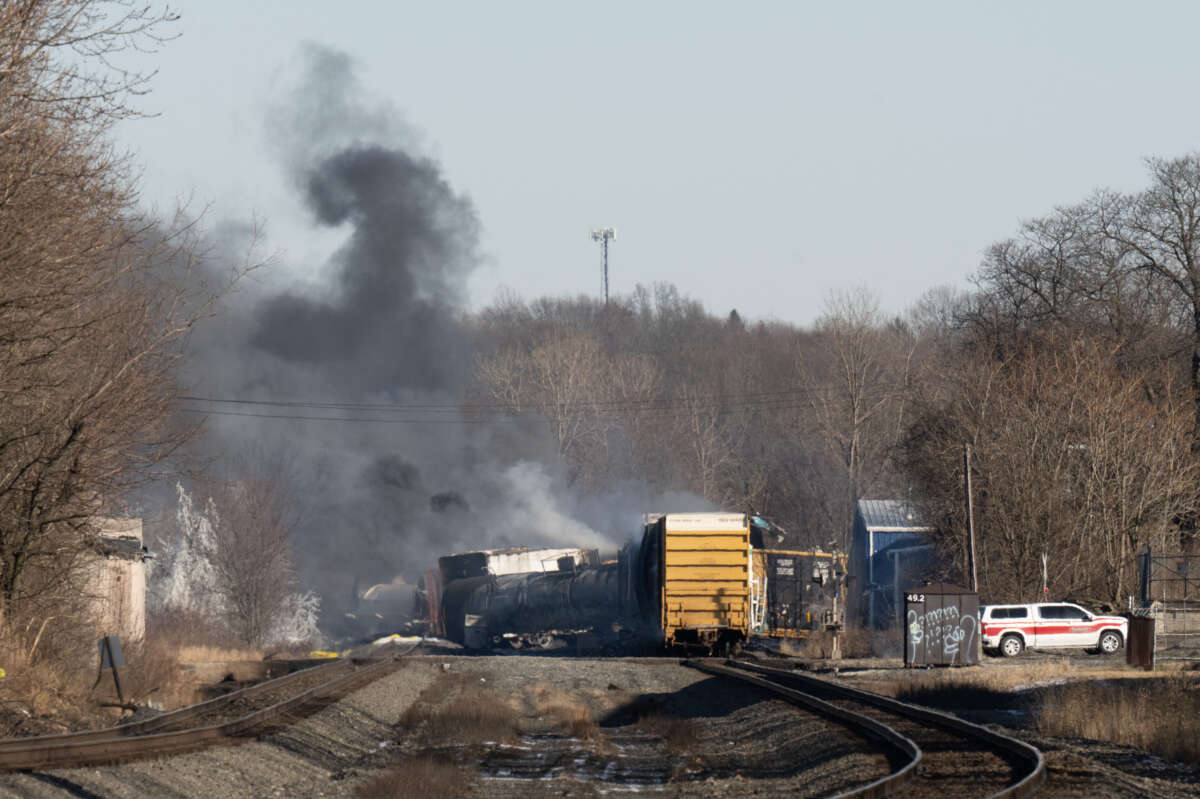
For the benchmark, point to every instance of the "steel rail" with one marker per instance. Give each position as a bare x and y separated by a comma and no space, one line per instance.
1026,787
175,717
885,786
84,749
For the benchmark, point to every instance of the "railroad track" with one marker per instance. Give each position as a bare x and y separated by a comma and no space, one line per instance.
223,720
932,754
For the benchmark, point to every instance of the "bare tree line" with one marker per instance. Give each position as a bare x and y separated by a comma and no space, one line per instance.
787,422
1072,369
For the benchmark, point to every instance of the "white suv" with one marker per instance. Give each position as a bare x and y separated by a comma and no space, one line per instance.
1012,628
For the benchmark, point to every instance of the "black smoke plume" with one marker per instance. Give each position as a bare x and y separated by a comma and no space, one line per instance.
377,325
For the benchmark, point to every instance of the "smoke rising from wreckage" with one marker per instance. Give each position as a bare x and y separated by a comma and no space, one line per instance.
701,580
379,325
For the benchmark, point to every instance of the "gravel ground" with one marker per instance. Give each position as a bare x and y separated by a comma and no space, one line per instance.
741,741
738,739
738,742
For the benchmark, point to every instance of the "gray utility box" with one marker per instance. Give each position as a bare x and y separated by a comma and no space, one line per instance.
941,626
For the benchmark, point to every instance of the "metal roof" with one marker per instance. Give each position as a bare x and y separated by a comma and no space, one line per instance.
940,589
123,547
892,515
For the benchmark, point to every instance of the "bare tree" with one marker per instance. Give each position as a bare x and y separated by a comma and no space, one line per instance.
1071,456
94,300
1157,233
856,381
1125,266
252,520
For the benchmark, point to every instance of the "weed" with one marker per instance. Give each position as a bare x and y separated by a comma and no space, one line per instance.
151,673
1157,713
197,638
854,643
426,777
563,712
458,708
679,734
1160,716
572,719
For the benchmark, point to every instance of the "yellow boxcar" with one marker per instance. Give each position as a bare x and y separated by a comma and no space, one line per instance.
705,578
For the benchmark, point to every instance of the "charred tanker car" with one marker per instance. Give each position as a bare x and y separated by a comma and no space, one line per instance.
690,581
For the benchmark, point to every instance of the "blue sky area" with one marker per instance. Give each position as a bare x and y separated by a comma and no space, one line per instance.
756,155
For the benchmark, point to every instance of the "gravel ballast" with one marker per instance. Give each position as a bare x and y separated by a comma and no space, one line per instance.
738,741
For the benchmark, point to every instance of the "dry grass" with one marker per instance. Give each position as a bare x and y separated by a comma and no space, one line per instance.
48,677
202,653
459,708
1160,716
51,665
1153,711
1002,678
679,734
929,686
424,777
151,675
563,712
197,639
855,643
458,712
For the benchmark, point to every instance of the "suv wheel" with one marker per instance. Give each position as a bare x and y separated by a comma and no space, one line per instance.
1110,642
1011,645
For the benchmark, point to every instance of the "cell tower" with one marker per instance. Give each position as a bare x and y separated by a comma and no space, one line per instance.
604,235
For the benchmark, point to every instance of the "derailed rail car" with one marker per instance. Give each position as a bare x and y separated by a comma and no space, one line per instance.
478,610
704,591
795,591
690,581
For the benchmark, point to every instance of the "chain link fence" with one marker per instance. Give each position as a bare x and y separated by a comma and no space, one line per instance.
1170,594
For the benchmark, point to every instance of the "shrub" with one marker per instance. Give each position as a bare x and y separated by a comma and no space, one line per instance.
426,777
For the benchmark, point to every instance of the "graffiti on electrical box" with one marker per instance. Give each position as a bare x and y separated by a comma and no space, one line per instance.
942,627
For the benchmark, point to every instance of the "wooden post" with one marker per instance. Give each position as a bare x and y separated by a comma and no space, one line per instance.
970,518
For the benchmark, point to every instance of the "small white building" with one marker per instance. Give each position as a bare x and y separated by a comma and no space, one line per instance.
116,579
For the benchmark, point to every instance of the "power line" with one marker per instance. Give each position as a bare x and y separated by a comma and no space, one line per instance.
744,399
450,413
201,412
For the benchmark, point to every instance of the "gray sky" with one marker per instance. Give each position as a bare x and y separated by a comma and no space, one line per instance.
756,156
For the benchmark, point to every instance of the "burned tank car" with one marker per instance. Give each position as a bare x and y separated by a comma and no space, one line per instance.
513,560
572,592
522,596
480,610
386,608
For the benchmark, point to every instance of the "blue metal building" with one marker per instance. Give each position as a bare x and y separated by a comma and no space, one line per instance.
891,548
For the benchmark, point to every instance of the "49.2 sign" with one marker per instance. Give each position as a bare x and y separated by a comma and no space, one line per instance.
914,598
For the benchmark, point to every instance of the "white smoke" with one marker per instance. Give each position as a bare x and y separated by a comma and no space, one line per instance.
532,513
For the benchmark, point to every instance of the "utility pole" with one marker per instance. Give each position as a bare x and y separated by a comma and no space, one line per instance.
604,235
970,518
